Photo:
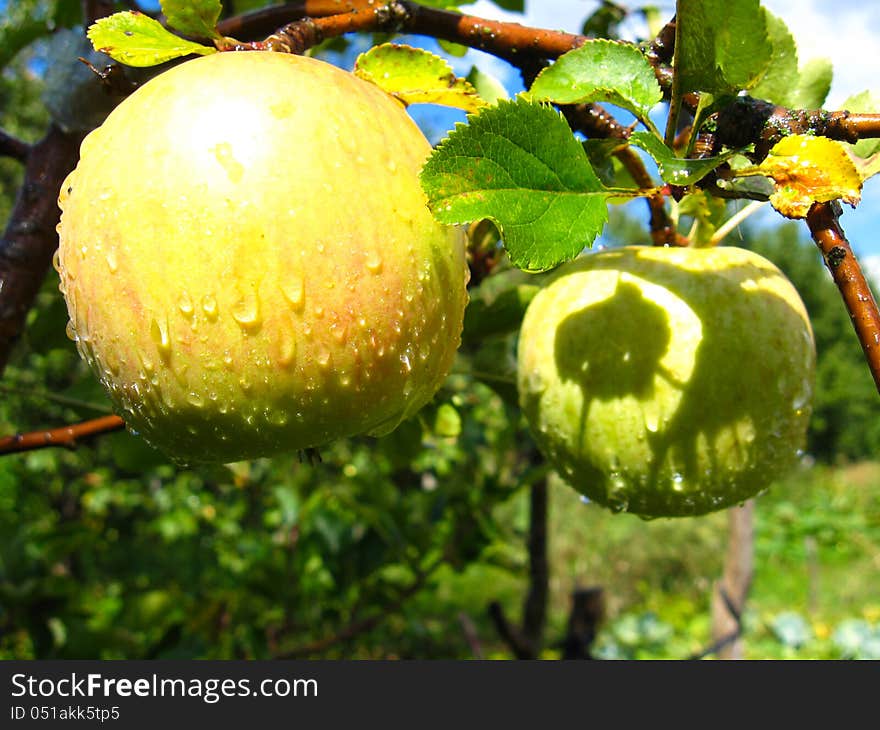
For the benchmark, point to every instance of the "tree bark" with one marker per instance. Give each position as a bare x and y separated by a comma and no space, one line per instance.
730,593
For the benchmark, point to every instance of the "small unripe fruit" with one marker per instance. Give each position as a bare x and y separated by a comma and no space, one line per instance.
249,263
668,382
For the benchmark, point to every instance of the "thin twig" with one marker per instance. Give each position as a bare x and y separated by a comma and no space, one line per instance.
67,436
823,220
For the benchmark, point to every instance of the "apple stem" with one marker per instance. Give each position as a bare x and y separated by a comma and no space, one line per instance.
824,223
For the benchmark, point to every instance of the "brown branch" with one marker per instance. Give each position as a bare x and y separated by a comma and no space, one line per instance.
512,41
746,120
67,436
261,23
29,241
596,122
731,592
509,634
587,613
823,220
13,147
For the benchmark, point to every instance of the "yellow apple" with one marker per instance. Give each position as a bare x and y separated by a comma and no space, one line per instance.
668,381
248,261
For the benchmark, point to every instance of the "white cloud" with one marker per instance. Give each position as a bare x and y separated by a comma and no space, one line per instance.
845,31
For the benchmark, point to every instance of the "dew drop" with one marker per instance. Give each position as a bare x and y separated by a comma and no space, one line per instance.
339,332
159,335
677,482
374,262
286,347
246,312
209,306
277,418
293,290
652,419
184,303
112,263
195,399
324,359
70,331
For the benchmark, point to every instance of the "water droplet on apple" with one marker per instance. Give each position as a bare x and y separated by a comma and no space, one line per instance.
293,290
70,331
276,418
374,262
209,306
246,312
286,346
339,332
112,263
184,304
159,335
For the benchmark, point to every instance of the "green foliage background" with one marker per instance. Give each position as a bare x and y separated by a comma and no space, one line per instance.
390,548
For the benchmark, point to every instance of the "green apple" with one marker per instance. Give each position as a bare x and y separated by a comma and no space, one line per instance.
249,263
668,381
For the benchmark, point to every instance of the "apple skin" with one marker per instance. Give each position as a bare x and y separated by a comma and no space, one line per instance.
668,381
249,263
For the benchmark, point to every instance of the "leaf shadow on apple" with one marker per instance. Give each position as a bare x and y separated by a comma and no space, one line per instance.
720,431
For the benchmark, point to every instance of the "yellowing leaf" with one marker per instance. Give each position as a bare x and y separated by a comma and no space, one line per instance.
136,39
807,170
869,166
416,76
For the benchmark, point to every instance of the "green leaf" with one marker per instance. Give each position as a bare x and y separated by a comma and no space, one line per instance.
675,170
415,76
864,103
780,82
447,422
813,85
708,213
487,86
605,21
516,6
136,39
721,47
611,171
193,17
452,48
601,70
519,165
